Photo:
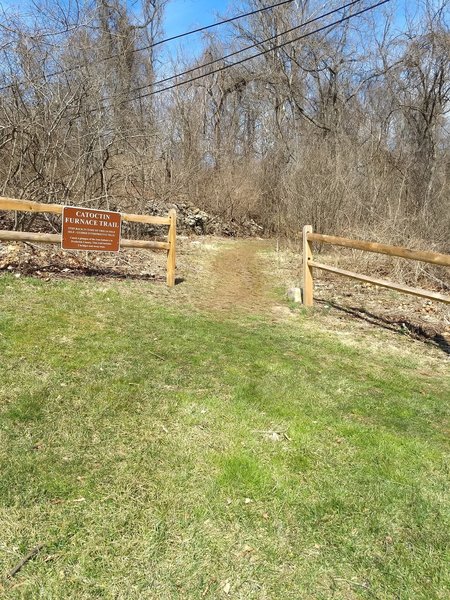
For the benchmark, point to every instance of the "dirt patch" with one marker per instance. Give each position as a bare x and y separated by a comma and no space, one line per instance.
238,280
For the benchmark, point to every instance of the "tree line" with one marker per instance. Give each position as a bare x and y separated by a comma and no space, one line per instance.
346,128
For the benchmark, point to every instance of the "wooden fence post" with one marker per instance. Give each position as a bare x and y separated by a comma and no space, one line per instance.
308,282
171,254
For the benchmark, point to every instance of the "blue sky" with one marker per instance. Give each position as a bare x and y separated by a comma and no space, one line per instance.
189,14
184,15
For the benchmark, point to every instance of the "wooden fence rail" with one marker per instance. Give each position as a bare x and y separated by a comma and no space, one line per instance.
55,238
309,264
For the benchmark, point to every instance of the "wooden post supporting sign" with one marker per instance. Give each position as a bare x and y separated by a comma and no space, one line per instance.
171,254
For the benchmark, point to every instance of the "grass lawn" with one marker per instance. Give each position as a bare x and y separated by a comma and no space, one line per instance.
158,452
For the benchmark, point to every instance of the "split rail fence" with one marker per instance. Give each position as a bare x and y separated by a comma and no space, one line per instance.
309,264
12,204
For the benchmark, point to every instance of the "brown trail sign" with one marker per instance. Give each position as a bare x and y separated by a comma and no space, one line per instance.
93,231
86,229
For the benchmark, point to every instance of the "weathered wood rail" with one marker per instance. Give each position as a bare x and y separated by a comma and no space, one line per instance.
13,204
309,264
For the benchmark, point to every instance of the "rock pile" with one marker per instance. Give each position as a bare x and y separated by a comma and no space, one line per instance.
192,220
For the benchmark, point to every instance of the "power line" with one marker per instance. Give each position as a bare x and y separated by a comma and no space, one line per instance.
230,20
255,45
262,53
158,43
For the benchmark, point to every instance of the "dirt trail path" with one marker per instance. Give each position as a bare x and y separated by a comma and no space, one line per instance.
238,278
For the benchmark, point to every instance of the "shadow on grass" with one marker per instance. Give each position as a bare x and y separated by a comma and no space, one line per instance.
74,272
400,326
